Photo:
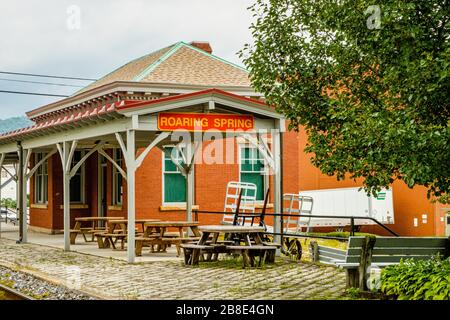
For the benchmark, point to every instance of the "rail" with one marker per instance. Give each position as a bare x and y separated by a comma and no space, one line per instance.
282,215
14,293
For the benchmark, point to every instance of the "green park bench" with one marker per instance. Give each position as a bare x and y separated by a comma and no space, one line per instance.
380,252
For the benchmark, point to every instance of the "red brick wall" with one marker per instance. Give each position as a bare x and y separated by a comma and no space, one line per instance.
42,218
210,181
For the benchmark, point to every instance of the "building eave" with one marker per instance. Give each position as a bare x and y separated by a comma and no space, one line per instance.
114,88
218,94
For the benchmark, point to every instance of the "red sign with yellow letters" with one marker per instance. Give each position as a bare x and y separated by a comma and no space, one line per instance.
170,121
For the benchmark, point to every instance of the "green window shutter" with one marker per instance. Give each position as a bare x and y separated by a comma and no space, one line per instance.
257,179
251,168
174,187
174,182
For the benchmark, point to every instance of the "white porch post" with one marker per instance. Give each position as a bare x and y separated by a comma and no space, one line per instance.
26,156
132,163
190,189
131,196
20,183
66,154
2,159
277,225
66,201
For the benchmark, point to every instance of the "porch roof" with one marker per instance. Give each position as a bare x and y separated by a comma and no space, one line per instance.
78,117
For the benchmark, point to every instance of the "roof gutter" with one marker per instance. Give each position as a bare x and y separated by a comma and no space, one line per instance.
118,86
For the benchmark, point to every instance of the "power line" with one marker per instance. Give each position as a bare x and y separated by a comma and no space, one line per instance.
34,93
39,82
45,76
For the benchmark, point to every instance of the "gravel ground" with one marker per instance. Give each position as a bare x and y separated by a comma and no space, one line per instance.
37,288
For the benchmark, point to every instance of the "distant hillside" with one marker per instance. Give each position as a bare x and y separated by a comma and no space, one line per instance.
11,124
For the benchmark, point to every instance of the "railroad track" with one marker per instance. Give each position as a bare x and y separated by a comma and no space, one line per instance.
14,293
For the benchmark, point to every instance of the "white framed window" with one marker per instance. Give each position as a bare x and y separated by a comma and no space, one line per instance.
174,183
77,185
251,169
41,180
117,190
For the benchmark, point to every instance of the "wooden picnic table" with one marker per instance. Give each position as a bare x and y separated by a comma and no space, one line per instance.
92,229
155,233
123,223
117,229
246,233
244,240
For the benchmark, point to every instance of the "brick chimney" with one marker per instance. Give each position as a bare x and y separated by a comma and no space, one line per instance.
202,45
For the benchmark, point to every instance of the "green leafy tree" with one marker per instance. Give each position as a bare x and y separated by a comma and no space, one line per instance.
8,203
368,80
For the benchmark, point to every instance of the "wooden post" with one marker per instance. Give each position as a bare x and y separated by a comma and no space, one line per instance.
66,196
20,179
190,149
66,154
352,276
131,195
366,259
277,225
314,248
23,190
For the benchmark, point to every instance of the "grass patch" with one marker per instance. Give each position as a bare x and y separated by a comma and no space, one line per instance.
339,234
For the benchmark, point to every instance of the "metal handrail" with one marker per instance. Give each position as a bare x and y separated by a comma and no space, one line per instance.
352,219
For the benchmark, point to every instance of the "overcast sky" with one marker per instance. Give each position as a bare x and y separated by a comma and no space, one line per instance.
45,37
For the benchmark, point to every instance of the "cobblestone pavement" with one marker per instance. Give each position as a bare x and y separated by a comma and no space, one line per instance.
109,278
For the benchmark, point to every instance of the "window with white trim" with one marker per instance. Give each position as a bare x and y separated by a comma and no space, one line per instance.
174,183
77,191
251,169
117,195
41,180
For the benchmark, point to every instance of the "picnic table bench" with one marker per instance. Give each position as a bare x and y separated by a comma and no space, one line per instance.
156,234
92,229
117,230
251,237
380,252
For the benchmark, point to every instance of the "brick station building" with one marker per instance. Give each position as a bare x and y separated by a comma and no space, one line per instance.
173,75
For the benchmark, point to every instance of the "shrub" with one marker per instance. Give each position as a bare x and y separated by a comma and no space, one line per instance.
418,279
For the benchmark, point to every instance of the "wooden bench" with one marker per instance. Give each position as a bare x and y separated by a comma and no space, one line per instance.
105,240
264,252
380,252
84,231
193,251
163,242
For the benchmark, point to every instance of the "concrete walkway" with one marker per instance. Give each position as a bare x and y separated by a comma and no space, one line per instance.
115,279
11,232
